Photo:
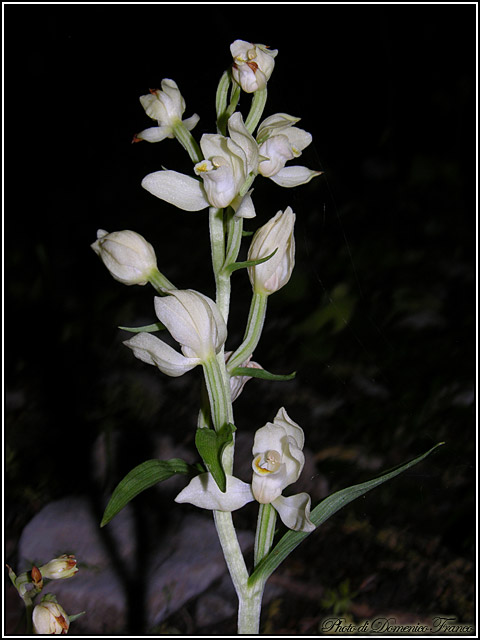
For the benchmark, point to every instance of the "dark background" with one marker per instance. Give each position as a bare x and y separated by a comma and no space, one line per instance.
378,319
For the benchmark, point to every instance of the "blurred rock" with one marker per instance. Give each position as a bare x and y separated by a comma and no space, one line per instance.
188,562
194,565
70,526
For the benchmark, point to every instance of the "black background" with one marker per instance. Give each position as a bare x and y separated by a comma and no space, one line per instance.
378,319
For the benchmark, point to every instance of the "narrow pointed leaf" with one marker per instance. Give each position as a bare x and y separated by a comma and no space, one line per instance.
210,445
322,512
76,616
143,477
230,268
150,328
261,373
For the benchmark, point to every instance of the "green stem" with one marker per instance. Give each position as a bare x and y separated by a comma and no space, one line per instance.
256,318
28,612
256,109
159,282
234,229
188,142
221,100
218,393
249,610
217,241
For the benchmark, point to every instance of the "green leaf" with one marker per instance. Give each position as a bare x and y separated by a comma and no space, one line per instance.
261,373
321,513
210,445
157,326
143,477
246,234
230,268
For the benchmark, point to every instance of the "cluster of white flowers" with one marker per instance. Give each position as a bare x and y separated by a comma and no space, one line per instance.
223,171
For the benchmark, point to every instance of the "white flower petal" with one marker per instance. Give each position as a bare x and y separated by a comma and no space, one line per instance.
191,122
277,233
155,134
246,208
173,99
241,136
176,188
273,125
203,492
298,138
294,511
194,321
151,350
277,150
294,176
267,485
292,428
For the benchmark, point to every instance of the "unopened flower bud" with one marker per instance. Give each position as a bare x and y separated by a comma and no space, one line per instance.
276,234
61,567
127,255
37,578
252,65
49,618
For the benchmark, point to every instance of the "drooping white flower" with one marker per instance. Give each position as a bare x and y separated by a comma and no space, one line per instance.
252,64
194,321
49,618
277,233
127,255
166,107
278,460
280,141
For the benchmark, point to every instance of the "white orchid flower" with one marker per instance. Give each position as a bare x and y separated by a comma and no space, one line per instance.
228,162
127,255
278,461
194,321
280,141
277,233
166,107
252,65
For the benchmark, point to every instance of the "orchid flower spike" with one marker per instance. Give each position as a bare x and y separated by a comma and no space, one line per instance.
166,107
194,321
252,65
